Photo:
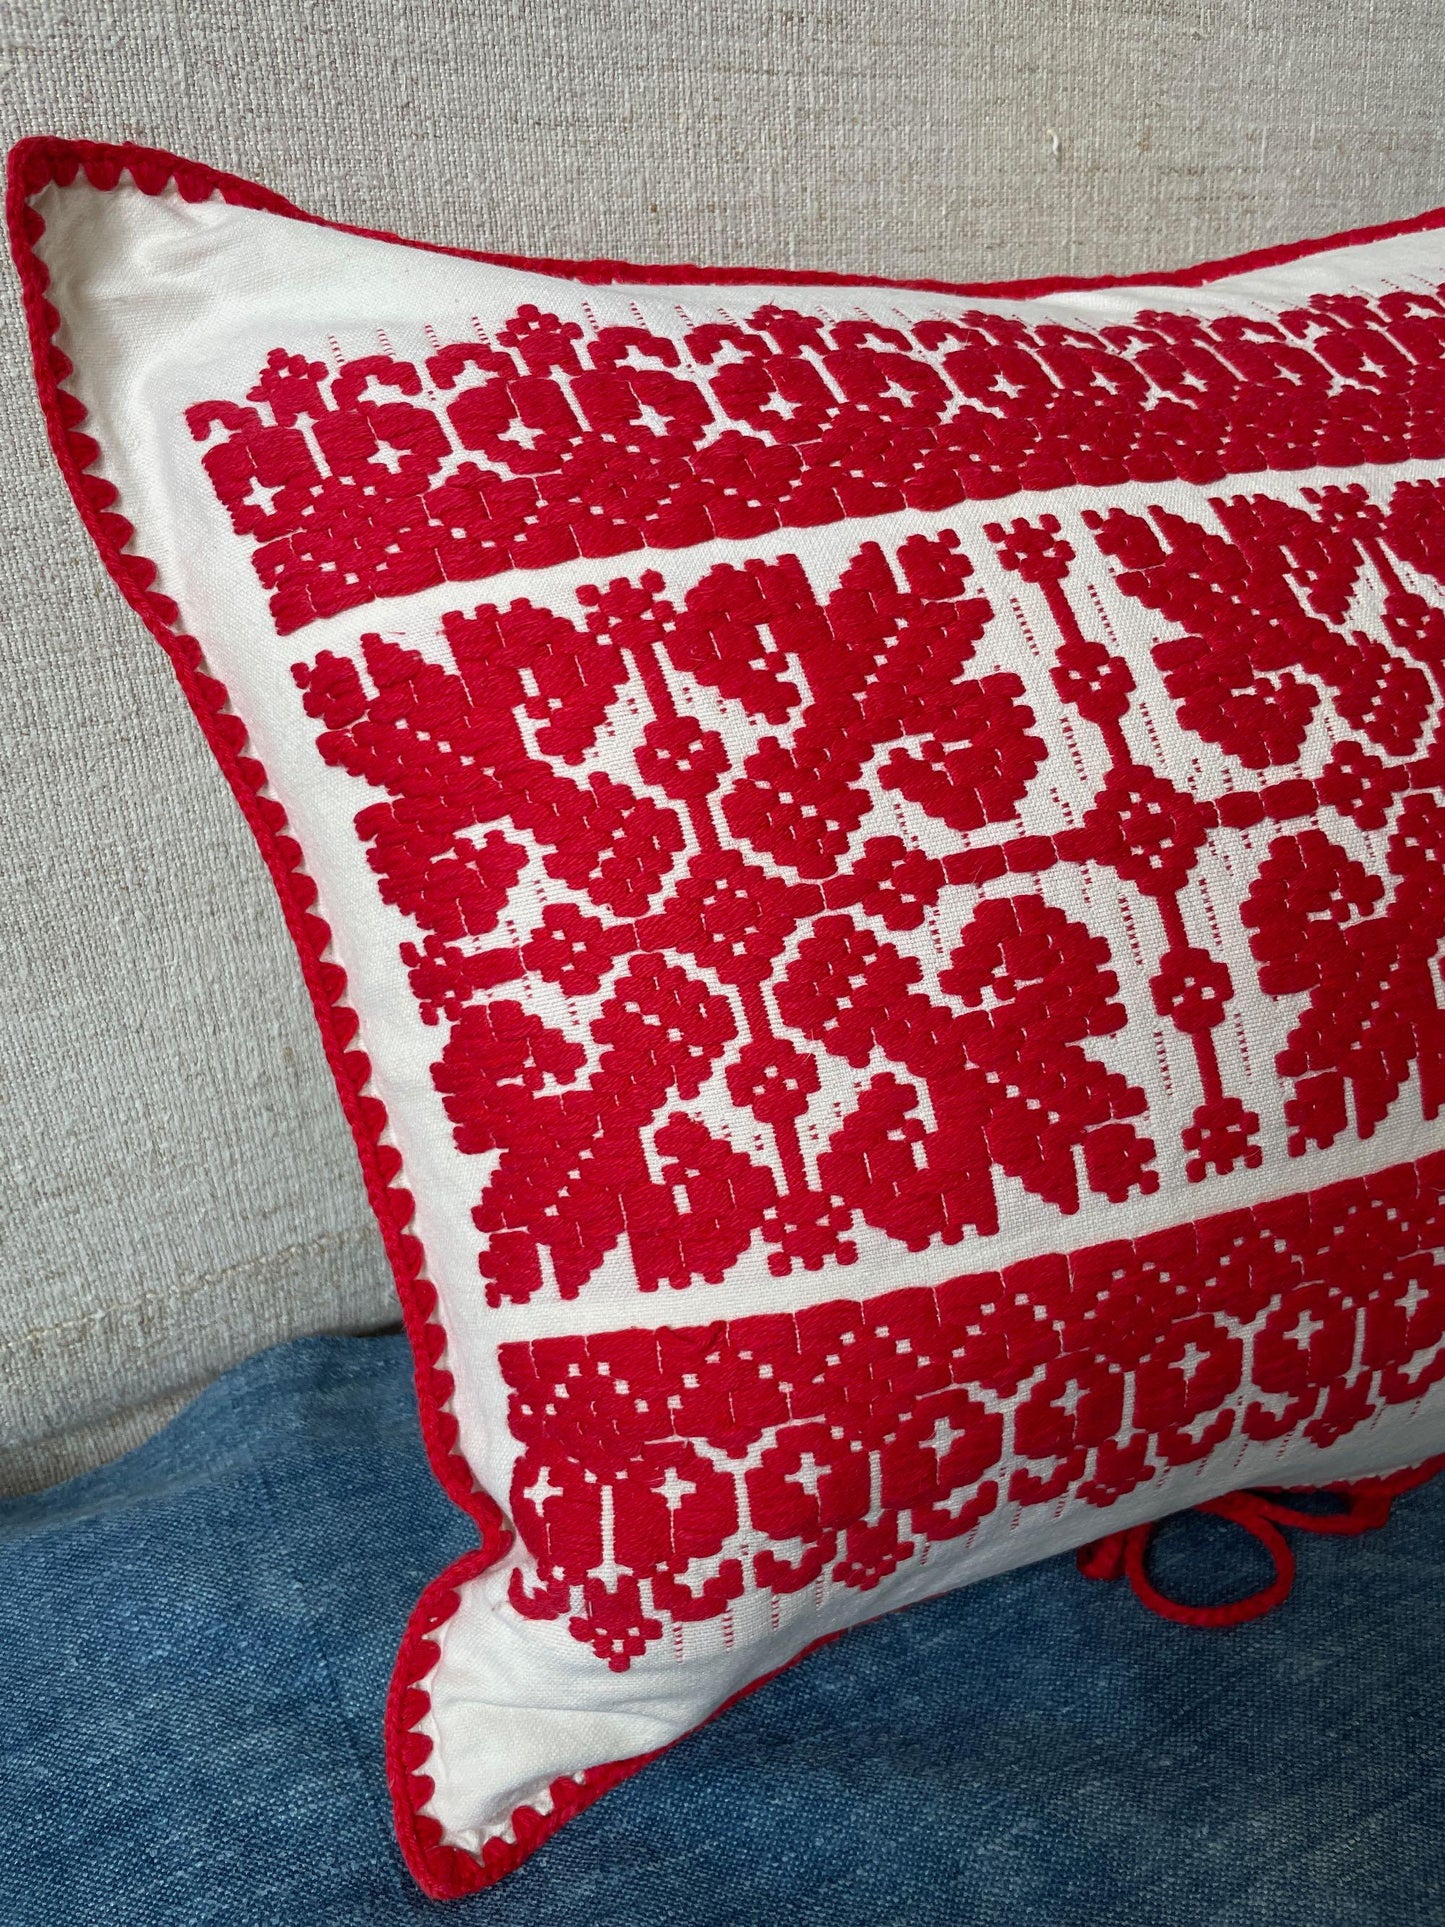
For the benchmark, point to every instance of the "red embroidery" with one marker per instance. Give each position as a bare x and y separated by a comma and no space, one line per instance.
886,657
1370,784
1372,1014
752,958
664,1472
1255,600
385,477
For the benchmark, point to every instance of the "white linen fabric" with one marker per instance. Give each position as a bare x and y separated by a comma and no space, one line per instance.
176,1186
171,308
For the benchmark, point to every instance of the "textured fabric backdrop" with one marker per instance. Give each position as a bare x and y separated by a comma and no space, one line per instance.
177,1188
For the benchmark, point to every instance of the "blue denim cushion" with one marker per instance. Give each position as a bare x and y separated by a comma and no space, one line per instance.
197,1640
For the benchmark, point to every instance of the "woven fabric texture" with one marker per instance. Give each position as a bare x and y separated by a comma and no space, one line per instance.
177,1188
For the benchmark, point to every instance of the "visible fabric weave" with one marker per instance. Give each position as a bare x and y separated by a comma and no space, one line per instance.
182,1190
195,1649
879,915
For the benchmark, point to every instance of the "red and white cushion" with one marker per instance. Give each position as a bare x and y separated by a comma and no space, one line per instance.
869,858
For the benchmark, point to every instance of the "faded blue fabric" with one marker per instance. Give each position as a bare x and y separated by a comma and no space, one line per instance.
196,1644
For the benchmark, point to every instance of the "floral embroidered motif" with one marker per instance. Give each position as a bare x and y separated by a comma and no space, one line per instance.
731,929
734,929
888,890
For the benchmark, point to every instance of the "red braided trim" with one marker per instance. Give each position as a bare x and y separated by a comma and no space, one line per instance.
443,1871
1367,1503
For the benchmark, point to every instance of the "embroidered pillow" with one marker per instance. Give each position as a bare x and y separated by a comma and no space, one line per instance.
868,857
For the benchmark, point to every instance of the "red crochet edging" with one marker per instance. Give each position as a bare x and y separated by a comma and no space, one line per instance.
44,158
34,164
443,1871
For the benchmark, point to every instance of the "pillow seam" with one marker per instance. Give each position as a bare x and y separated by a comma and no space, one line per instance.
442,1869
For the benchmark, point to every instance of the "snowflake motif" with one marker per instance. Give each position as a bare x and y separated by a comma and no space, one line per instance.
754,921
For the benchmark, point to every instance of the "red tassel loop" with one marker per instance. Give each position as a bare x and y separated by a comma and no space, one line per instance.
1365,1507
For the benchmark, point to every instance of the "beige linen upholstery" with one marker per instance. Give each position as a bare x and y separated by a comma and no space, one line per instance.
177,1186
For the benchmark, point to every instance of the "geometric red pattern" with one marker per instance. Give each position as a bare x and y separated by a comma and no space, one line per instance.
664,1472
726,927
834,854
731,930
387,476
815,900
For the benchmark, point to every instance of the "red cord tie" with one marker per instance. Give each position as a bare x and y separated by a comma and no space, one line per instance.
1366,1506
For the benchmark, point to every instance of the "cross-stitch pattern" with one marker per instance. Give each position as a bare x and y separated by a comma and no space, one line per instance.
868,863
666,1471
834,840
554,439
730,928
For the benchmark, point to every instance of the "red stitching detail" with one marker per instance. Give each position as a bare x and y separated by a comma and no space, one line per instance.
1088,674
543,446
1367,1504
1004,1061
994,1039
850,1436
